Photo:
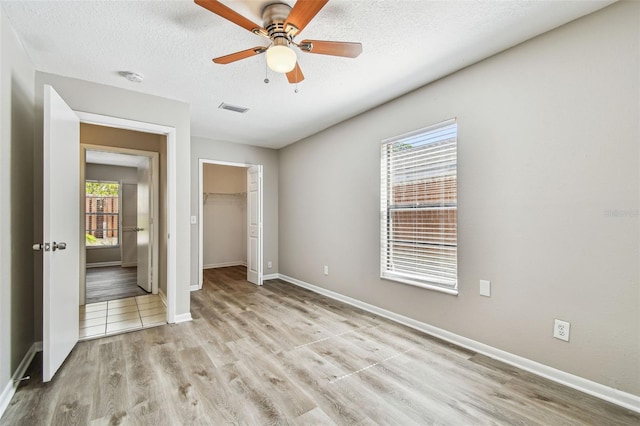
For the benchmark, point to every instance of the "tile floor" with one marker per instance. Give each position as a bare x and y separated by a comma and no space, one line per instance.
120,315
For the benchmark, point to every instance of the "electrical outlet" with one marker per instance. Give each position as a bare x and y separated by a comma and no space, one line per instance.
269,265
194,220
561,330
326,269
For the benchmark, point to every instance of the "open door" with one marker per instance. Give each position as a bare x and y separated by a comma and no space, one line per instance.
61,225
254,219
144,225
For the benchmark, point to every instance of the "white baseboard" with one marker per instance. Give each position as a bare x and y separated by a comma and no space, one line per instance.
194,287
103,264
270,277
183,317
163,297
225,264
10,389
623,399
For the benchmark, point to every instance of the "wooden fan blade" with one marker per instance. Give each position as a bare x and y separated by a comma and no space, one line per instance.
334,48
229,14
227,59
302,13
295,75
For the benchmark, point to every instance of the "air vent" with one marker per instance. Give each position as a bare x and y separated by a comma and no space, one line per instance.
233,108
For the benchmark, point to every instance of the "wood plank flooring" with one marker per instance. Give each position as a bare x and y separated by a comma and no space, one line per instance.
112,282
278,354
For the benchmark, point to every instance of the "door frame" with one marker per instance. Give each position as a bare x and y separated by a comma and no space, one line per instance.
201,163
155,170
171,209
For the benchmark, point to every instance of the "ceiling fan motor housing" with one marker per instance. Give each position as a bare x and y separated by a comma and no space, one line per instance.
274,16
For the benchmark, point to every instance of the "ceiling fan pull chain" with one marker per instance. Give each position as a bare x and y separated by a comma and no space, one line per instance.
296,89
266,70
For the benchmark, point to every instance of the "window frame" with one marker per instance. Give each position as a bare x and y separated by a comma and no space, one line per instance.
119,215
391,265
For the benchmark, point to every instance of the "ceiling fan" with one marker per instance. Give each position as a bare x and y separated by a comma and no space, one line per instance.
281,25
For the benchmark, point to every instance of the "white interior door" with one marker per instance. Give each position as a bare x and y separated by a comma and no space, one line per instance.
254,225
61,225
144,225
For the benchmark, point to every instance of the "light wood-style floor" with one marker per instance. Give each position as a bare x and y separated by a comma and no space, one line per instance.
278,354
112,282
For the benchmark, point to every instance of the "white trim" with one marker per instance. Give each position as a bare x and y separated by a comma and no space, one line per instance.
11,387
104,264
225,264
183,318
607,393
270,277
194,287
172,222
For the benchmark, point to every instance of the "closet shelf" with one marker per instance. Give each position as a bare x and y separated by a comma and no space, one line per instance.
206,195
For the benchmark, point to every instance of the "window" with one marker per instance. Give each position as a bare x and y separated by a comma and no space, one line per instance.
419,208
102,214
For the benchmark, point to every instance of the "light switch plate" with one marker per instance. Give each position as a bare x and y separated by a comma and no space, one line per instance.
485,288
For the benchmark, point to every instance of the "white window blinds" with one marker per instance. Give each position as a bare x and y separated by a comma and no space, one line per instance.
419,207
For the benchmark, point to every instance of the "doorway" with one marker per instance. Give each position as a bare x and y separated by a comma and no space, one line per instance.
121,217
63,231
120,270
230,212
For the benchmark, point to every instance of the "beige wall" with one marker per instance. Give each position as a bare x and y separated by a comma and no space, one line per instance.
111,101
209,149
224,215
224,179
548,200
16,198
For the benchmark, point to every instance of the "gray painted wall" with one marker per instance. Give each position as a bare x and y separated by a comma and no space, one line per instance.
243,154
16,199
115,174
548,200
112,101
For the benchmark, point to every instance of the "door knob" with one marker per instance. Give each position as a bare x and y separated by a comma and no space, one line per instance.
58,246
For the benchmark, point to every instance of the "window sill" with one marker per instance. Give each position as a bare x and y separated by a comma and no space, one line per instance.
100,247
427,286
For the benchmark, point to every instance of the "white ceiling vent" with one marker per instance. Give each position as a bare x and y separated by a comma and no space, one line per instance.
233,108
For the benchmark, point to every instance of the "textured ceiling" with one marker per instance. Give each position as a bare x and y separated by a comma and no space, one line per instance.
406,44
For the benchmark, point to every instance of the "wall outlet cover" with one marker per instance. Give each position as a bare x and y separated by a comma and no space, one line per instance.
485,288
561,330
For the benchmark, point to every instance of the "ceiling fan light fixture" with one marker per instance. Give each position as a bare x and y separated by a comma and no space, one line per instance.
281,58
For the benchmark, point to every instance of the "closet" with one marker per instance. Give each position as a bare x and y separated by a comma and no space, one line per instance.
224,216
